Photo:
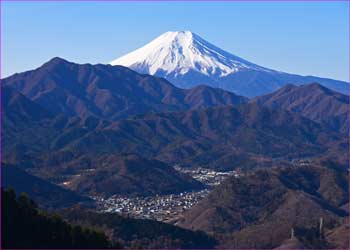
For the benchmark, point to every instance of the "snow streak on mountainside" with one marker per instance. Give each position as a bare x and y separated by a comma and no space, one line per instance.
187,60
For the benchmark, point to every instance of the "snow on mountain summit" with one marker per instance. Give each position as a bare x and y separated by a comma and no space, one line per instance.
177,52
187,60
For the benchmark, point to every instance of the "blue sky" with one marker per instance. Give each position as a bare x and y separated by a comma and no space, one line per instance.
308,38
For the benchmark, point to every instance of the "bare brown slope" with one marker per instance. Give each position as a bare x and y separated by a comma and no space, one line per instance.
312,101
339,237
33,136
132,175
259,209
212,136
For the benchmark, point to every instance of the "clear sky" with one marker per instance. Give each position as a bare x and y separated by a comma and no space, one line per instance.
308,38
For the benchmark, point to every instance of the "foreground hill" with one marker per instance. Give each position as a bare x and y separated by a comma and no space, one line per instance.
140,233
312,101
246,211
109,92
24,226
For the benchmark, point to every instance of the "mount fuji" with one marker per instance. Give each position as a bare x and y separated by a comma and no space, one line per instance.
187,60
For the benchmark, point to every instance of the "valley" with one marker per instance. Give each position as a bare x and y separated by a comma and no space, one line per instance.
165,208
151,164
171,208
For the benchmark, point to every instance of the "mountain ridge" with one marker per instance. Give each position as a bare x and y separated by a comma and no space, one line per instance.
108,92
305,100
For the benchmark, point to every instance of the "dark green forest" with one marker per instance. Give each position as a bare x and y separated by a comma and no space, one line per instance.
26,226
140,233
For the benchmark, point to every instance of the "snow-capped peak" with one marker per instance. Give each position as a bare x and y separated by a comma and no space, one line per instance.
177,52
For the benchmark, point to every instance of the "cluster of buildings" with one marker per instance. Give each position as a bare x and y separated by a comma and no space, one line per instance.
207,176
166,208
302,162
